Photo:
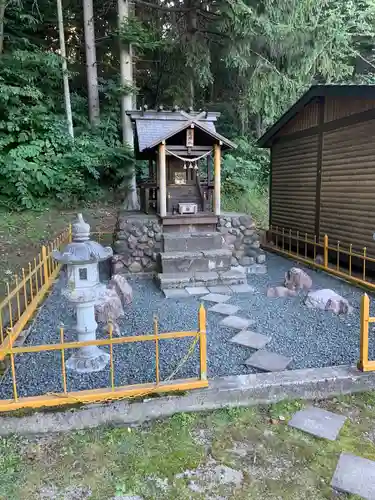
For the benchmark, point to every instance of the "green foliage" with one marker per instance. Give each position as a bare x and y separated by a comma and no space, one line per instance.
38,158
141,36
246,168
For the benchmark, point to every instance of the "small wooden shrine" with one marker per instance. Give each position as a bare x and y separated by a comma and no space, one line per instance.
179,147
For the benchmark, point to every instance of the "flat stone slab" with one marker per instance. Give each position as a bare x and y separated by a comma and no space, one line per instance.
247,338
245,288
257,269
237,322
216,297
196,290
268,361
225,309
175,293
318,422
220,289
355,475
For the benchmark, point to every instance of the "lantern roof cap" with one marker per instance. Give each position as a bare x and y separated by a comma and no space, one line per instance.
82,250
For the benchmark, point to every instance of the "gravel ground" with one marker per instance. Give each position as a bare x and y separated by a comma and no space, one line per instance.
312,338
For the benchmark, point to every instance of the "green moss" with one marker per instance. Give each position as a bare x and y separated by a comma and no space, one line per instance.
278,462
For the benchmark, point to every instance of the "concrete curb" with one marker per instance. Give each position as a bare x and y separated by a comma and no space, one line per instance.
232,391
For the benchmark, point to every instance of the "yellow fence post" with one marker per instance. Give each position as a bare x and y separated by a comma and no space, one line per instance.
365,316
325,251
203,342
156,333
45,265
70,236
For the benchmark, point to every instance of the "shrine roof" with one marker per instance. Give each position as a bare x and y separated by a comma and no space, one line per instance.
152,127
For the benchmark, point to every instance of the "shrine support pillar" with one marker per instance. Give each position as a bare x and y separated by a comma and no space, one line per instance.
162,180
217,178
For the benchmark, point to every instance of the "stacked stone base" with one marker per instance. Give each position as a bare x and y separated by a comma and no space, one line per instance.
240,235
138,242
181,259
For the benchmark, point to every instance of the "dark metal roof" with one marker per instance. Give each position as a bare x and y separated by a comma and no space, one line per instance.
316,91
153,127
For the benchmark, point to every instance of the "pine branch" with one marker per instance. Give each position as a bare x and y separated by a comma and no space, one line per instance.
355,52
162,8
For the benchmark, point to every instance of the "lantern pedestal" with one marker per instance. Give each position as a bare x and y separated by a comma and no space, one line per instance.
83,290
90,358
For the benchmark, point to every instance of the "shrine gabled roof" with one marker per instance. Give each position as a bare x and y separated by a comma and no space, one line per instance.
153,127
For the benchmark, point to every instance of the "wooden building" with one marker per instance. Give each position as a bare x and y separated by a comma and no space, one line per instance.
323,165
178,146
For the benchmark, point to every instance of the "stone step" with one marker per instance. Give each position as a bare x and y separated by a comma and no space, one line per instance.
205,260
212,278
182,242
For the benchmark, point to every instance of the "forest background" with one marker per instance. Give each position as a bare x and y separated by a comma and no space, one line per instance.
248,59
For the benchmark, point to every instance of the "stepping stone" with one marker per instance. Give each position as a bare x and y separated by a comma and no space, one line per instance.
196,290
216,297
226,309
257,269
245,288
220,289
237,322
175,293
251,339
268,361
318,422
355,475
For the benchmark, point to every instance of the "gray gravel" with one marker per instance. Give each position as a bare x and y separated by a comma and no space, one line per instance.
312,338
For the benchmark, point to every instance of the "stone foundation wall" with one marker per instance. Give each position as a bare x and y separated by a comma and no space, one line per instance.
241,237
137,243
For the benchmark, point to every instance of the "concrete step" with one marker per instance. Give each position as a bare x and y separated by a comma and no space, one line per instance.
205,260
182,242
212,278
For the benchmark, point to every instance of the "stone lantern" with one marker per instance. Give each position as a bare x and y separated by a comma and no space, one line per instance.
82,257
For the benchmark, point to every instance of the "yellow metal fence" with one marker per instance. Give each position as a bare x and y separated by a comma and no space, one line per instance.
365,364
112,391
26,292
326,255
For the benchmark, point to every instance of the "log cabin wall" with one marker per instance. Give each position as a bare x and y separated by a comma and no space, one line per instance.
294,171
323,172
293,188
347,211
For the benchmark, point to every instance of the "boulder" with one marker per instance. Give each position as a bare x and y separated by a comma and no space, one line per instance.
261,258
247,221
135,267
123,289
319,259
109,308
280,291
328,300
296,279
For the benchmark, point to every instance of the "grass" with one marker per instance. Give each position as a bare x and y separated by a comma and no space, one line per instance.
23,233
252,202
191,456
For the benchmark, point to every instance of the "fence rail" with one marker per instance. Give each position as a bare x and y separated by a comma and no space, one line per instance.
26,292
364,363
331,257
112,391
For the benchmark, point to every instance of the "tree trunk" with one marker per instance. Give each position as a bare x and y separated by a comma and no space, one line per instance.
68,107
91,67
2,15
192,23
126,76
